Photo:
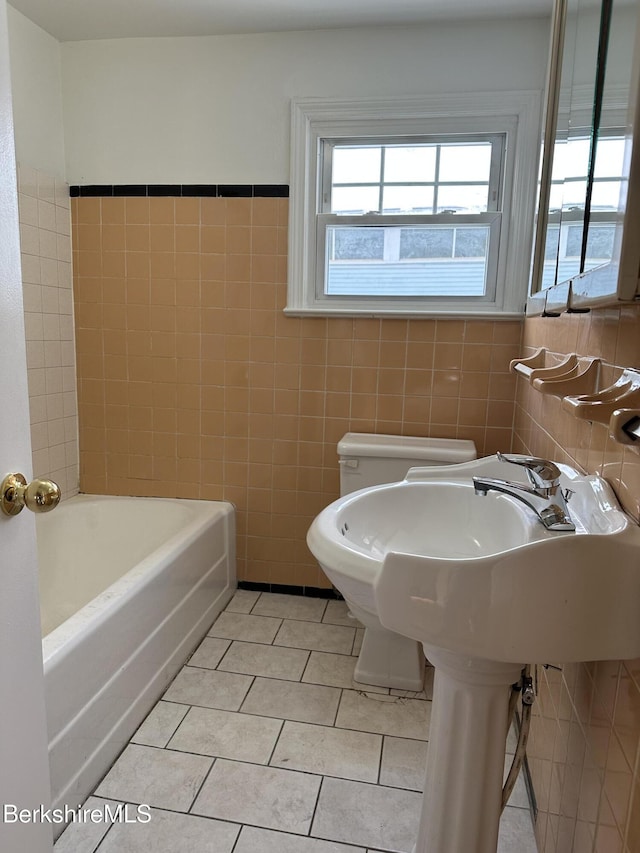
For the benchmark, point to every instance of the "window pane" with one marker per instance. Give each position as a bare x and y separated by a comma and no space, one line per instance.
426,243
407,200
576,159
574,195
574,241
609,158
471,242
356,165
605,195
600,242
358,244
463,199
555,196
410,164
465,162
354,266
551,243
354,199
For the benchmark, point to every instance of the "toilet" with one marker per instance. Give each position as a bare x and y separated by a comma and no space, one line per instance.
387,659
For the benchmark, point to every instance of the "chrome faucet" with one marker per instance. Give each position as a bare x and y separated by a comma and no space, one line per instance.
543,494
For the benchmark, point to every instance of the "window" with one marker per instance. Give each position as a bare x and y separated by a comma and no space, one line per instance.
406,207
418,217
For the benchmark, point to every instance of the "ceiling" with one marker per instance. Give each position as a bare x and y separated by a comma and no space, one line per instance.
76,20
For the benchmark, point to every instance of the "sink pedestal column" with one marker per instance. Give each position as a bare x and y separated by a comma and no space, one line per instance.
465,762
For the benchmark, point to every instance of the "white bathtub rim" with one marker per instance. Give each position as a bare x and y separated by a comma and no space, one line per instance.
69,633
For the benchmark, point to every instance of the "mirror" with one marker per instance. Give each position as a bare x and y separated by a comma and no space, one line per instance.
586,157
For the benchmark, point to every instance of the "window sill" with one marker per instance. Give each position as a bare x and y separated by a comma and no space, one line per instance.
490,313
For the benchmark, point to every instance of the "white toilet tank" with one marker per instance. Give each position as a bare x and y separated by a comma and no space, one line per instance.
370,460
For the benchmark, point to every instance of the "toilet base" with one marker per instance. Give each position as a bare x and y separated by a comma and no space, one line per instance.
389,660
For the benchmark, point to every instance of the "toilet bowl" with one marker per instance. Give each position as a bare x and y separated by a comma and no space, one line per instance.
386,659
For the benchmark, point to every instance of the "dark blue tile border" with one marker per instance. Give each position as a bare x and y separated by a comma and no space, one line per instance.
308,591
128,190
182,190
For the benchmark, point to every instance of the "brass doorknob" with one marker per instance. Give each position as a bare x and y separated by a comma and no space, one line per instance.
38,495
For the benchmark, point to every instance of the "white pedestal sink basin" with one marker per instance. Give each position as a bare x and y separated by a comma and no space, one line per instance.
486,588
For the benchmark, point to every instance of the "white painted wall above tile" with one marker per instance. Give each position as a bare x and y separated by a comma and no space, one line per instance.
37,101
216,109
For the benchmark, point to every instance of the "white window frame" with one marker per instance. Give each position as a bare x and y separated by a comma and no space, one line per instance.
514,113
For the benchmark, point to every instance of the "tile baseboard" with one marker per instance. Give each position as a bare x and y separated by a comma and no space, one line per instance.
287,589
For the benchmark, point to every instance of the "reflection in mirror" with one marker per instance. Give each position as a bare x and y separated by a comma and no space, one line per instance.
610,137
551,224
575,142
589,210
572,143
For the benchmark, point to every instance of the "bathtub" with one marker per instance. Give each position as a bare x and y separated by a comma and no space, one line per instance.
128,587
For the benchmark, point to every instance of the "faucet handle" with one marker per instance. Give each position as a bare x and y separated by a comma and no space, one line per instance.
542,473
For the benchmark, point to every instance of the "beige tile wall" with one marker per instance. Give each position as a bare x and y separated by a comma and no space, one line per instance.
45,238
192,382
584,750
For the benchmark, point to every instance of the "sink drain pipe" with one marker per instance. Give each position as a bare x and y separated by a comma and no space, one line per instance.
526,689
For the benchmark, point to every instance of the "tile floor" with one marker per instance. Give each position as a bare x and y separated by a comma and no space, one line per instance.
263,743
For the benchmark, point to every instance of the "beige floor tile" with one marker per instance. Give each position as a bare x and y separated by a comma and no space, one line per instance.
209,653
209,688
243,626
253,840
160,725
291,700
335,671
519,796
315,636
241,737
328,751
156,777
168,832
386,715
516,832
269,661
290,607
260,796
367,815
84,837
243,601
403,763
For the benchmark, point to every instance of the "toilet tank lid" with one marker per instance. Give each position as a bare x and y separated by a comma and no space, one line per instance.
407,447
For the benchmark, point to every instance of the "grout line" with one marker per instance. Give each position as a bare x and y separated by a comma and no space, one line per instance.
244,699
275,744
197,794
382,745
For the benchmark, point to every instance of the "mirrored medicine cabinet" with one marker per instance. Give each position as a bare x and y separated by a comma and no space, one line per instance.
587,239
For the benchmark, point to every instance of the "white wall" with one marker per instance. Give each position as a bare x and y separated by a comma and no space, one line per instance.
216,109
37,96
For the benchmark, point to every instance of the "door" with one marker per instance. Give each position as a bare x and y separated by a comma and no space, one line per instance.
24,773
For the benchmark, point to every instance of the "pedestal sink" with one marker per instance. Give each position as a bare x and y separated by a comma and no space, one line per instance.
486,588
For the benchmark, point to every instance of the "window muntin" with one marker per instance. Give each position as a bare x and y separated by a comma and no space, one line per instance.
429,176
423,216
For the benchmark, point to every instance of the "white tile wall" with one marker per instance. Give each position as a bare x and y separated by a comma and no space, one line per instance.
45,237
